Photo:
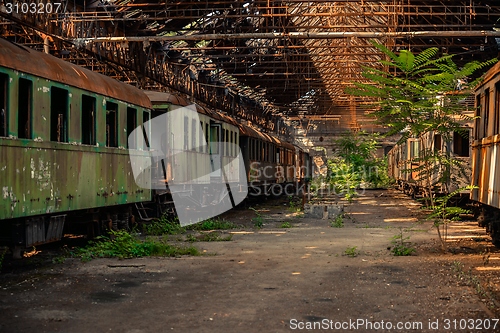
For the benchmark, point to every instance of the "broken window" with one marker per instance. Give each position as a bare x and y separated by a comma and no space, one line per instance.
461,143
111,124
88,120
24,109
477,114
486,111
145,129
193,134
4,81
437,142
131,125
58,114
186,133
496,129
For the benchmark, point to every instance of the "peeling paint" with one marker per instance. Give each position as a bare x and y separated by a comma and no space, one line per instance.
44,118
46,89
5,191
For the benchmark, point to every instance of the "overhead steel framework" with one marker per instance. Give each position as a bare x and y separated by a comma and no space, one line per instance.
283,65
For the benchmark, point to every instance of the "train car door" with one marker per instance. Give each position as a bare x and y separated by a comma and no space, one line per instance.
215,150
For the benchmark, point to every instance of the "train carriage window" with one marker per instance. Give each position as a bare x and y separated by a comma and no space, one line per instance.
227,143
201,138
131,125
186,133
59,114
496,110
215,139
250,148
24,109
233,149
461,143
486,112
146,128
88,120
193,134
4,79
477,114
437,142
111,124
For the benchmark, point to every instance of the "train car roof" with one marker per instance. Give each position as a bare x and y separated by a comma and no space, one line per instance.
44,65
161,97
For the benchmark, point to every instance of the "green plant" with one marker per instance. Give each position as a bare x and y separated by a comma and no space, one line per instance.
209,237
443,213
286,225
213,224
400,245
351,251
416,95
468,278
163,226
338,222
3,251
121,244
258,220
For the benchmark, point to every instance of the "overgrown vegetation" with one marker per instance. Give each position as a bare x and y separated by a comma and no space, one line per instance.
421,96
163,226
258,220
286,225
3,251
401,245
209,237
213,224
355,165
468,278
442,213
338,222
121,244
351,251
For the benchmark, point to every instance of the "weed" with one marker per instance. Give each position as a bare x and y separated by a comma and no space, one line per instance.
400,243
338,222
286,225
121,244
468,278
351,251
213,224
163,226
209,237
258,220
3,251
293,205
58,260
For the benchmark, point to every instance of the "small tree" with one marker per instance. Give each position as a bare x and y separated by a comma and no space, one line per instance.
417,95
355,164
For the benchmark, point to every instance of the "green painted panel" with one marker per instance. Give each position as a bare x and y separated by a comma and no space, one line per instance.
45,177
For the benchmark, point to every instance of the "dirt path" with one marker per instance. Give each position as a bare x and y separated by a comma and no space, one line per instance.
272,280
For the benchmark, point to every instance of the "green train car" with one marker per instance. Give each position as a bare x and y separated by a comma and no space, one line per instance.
64,153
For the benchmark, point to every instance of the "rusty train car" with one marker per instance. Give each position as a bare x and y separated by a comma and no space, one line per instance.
486,153
271,164
404,164
67,148
63,146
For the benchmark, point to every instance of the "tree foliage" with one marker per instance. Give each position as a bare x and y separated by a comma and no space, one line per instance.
417,94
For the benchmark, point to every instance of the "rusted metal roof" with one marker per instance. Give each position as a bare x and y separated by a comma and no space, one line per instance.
157,97
44,65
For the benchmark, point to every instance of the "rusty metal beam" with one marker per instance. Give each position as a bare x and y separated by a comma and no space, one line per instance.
291,35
